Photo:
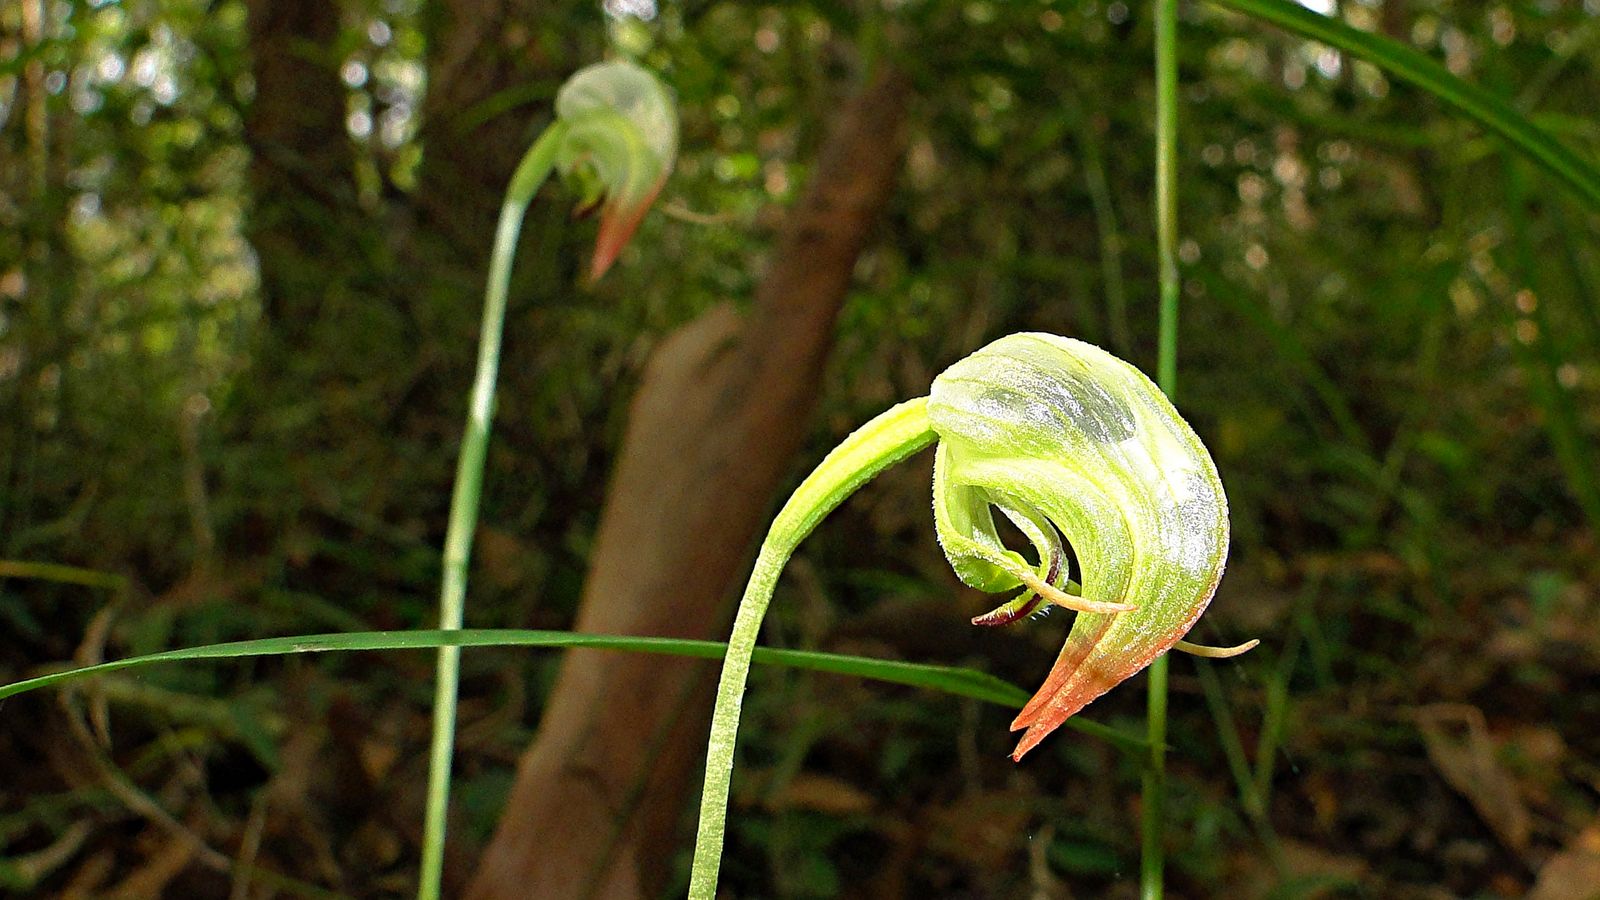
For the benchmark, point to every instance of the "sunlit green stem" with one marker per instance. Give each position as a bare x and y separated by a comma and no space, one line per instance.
1153,807
887,439
525,182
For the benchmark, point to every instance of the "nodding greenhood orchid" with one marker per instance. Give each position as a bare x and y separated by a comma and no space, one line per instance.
1068,441
616,133
619,143
1074,447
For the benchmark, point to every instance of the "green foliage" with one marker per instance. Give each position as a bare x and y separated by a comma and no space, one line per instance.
960,682
1402,407
1580,175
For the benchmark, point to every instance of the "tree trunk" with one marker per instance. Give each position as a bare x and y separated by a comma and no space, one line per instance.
346,288
479,53
301,172
723,407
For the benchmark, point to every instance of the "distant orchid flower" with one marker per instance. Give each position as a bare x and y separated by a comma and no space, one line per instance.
616,133
620,141
1073,446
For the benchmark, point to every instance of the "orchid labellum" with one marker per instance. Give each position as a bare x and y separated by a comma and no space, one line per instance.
1075,448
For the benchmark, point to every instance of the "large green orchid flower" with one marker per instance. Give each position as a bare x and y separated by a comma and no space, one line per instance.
1068,441
1074,447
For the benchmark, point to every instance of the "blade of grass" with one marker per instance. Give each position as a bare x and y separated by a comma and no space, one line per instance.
1535,349
1289,348
1414,67
954,680
1583,275
41,571
1250,796
1563,54
1275,719
1105,220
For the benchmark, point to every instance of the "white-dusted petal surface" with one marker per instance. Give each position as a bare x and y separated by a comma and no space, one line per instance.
1070,431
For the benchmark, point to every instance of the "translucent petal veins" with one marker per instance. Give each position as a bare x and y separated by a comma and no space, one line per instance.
1059,432
630,92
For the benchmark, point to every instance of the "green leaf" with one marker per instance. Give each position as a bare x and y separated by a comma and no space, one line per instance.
960,682
1418,69
17,568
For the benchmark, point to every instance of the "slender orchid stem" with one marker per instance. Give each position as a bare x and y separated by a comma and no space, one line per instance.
525,182
892,436
1153,807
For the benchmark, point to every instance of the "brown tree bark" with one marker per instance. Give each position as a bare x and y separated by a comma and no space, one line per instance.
301,172
722,409
481,52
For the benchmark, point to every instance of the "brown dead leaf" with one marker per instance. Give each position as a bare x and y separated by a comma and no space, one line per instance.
501,557
1316,872
1511,646
984,829
1324,796
1461,750
1307,861
86,880
1574,873
821,793
153,875
1381,563
1540,755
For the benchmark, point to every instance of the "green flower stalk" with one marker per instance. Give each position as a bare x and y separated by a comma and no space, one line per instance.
1073,446
616,134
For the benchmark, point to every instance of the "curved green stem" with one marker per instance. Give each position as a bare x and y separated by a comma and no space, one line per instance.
892,436
1152,809
525,182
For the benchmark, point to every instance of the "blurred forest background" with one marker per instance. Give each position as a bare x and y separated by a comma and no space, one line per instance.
242,247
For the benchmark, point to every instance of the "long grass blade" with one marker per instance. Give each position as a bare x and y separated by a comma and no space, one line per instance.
1416,68
43,571
954,680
